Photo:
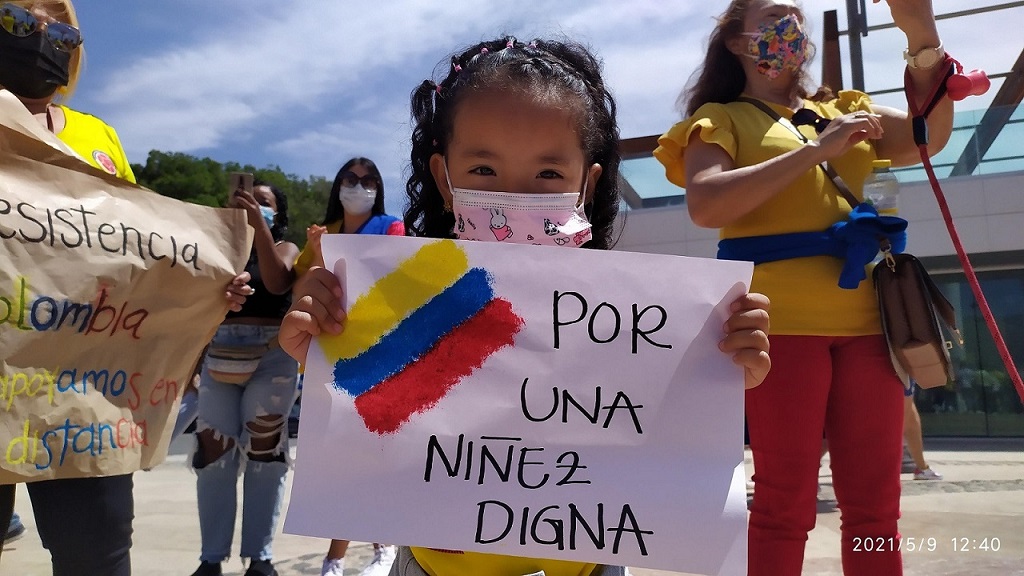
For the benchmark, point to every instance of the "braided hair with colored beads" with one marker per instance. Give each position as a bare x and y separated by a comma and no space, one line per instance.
543,69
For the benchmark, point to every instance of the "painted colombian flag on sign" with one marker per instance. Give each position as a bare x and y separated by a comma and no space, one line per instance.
416,333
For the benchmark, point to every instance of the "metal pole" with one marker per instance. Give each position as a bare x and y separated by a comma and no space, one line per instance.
856,29
832,58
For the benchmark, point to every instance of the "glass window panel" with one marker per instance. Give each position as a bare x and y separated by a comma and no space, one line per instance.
982,401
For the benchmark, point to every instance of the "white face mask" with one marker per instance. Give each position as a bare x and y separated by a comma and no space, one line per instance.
356,199
543,219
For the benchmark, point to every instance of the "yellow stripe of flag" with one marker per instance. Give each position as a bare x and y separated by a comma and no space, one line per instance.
391,299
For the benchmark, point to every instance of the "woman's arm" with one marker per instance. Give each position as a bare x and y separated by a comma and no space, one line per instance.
917,20
279,274
718,192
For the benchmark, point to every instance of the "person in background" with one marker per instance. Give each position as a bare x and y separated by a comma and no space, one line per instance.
85,523
749,170
355,206
15,528
246,390
188,410
912,436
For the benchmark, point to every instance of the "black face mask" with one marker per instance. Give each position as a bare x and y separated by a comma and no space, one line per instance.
31,67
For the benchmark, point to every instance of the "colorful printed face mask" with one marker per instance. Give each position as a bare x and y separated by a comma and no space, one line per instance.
778,46
543,219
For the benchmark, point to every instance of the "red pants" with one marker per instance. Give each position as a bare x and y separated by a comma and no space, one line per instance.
846,387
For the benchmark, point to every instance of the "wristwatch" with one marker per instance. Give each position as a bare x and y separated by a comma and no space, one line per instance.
925,58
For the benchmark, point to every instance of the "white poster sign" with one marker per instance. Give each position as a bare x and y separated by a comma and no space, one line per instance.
527,400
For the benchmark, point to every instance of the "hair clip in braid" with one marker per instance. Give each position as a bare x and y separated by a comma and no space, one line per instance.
455,65
484,50
511,43
533,44
437,88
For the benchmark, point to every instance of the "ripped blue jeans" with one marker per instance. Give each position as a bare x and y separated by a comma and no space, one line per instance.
237,415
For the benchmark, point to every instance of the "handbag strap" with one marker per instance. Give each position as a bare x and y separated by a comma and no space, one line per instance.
920,117
829,171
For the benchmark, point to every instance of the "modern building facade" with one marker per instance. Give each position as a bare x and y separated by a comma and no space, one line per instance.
988,210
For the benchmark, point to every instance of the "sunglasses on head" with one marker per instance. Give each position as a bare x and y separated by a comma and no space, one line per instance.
19,22
351,179
808,117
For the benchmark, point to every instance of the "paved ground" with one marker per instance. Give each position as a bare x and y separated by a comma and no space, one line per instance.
982,497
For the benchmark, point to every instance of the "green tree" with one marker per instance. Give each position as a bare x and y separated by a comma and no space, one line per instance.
205,181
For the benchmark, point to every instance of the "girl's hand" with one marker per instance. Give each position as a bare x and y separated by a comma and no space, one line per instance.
316,308
847,130
747,337
238,290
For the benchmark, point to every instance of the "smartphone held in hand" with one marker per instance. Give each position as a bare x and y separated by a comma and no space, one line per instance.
240,181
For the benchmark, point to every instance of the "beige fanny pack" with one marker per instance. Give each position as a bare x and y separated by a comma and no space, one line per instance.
236,364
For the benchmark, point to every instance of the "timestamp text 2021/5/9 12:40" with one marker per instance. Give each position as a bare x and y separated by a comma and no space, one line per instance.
927,544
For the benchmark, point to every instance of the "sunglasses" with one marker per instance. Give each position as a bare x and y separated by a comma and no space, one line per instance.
19,22
808,117
351,179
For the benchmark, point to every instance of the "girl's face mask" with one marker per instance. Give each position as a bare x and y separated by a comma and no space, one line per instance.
778,46
543,219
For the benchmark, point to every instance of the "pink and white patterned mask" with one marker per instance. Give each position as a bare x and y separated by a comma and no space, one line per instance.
778,46
543,219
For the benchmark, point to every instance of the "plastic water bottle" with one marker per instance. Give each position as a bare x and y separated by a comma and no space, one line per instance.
882,188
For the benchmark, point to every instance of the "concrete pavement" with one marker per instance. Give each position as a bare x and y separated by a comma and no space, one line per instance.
980,500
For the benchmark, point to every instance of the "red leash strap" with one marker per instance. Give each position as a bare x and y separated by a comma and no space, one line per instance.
921,138
920,116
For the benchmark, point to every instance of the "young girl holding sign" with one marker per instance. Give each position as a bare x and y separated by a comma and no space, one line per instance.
519,123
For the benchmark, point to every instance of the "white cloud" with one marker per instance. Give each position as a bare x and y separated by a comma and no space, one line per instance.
266,65
384,138
304,84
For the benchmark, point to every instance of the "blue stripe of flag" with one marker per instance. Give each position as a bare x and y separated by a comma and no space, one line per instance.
416,334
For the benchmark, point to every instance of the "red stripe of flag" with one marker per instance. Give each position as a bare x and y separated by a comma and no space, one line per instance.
388,405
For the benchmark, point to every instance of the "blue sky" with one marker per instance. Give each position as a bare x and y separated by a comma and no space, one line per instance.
307,84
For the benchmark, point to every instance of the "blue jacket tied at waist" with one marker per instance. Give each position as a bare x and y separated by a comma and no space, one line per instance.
854,240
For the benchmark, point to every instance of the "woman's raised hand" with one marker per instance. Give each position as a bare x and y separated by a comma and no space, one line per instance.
847,130
242,198
912,16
